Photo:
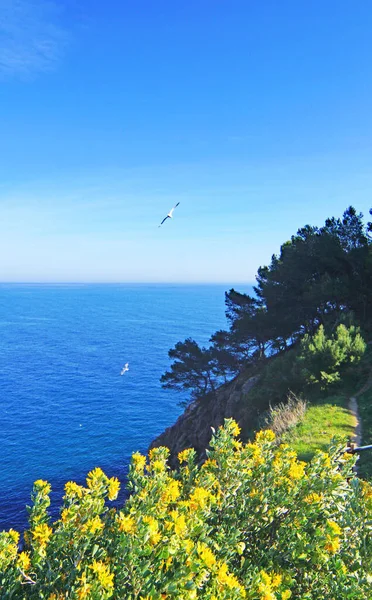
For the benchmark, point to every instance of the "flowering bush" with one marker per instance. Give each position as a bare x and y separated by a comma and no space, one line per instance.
252,522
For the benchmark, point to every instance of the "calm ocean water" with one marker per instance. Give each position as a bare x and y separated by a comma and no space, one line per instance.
64,408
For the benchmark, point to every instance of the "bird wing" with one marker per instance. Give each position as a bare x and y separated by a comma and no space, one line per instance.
165,218
170,214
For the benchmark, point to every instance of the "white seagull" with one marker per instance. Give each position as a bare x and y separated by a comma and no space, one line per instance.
125,369
169,215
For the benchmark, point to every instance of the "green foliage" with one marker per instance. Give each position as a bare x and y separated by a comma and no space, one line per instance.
252,522
322,357
192,369
324,419
320,276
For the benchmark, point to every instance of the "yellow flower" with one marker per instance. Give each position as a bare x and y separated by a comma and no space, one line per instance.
224,578
210,462
14,535
286,594
347,456
332,545
296,470
152,524
42,486
66,515
335,528
93,525
206,555
95,477
139,461
42,533
265,436
172,492
276,580
155,538
199,498
188,545
104,576
235,429
84,591
126,524
313,498
73,489
24,562
158,466
113,488
185,455
265,578
180,526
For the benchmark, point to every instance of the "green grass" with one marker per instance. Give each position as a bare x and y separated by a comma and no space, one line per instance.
323,420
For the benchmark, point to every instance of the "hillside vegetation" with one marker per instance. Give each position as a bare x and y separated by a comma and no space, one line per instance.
304,332
252,522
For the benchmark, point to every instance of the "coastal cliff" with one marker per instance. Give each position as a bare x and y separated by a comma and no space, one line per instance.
193,429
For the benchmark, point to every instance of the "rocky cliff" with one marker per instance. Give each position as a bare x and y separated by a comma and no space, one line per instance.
193,428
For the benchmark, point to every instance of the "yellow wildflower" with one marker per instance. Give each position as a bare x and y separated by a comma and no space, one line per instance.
188,545
235,429
199,498
95,477
185,455
172,492
347,456
73,489
14,535
126,524
265,578
152,524
42,533
139,461
24,561
84,591
93,525
276,580
313,498
286,594
42,486
158,466
265,435
155,538
335,528
206,555
113,488
180,526
210,462
332,545
103,572
225,578
296,469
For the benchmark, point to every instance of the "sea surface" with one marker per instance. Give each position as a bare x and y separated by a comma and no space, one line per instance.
64,408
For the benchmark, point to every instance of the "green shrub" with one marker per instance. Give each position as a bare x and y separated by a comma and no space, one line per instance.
324,357
252,522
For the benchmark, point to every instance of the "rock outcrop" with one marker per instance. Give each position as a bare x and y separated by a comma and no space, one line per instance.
193,428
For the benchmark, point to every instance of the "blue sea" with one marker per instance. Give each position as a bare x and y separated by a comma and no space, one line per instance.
64,408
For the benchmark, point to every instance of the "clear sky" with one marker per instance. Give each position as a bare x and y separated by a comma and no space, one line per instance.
255,115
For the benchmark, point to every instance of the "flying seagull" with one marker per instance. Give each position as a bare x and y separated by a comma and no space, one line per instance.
169,215
125,369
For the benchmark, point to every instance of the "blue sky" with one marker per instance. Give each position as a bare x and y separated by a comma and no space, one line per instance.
255,116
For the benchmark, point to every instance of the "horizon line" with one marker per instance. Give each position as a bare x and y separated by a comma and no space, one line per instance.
125,282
